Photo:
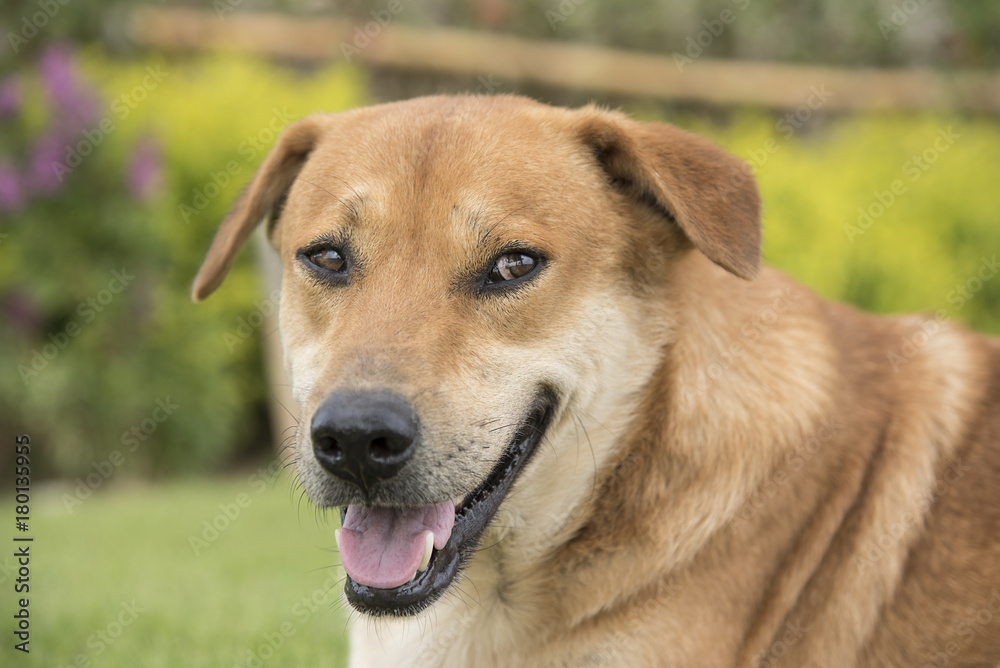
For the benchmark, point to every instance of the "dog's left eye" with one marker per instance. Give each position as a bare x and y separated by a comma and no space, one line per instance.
511,266
328,258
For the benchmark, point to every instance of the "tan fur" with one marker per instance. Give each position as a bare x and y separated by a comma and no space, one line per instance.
740,473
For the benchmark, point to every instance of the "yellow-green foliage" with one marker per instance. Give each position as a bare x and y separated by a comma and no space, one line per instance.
932,237
214,118
213,113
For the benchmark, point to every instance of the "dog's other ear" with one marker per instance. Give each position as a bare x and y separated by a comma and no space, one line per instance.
264,196
708,193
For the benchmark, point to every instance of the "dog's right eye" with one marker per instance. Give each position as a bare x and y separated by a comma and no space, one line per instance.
510,267
329,259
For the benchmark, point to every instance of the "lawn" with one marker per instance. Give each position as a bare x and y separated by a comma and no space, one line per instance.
117,580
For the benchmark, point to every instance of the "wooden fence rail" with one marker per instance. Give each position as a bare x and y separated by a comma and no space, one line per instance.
514,60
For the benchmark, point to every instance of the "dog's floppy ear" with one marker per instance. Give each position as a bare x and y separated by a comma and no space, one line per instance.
708,193
264,196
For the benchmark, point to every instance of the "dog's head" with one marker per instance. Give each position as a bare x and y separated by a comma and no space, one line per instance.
469,281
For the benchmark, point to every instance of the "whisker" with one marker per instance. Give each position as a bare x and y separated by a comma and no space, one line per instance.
492,228
506,426
346,206
593,456
293,416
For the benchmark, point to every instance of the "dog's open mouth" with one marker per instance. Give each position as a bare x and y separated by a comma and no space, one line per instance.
400,560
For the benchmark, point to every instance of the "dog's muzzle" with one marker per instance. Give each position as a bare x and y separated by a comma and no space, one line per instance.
400,558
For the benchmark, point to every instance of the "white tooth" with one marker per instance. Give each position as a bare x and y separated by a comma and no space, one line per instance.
336,537
428,549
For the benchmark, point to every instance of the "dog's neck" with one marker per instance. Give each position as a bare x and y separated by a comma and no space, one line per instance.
719,379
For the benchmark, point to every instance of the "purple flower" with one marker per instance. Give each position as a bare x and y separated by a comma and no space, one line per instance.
145,169
76,106
12,196
11,96
41,177
59,73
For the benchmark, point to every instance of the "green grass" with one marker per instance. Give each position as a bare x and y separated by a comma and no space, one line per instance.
270,574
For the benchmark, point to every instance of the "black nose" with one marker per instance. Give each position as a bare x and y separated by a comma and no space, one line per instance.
364,437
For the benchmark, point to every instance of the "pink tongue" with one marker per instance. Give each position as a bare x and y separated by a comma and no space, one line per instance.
382,547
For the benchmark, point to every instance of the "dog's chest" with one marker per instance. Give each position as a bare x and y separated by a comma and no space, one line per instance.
451,634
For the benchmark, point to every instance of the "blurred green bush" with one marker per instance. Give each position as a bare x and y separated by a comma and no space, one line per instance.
891,212
93,366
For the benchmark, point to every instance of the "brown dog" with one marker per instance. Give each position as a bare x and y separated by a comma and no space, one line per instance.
562,408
